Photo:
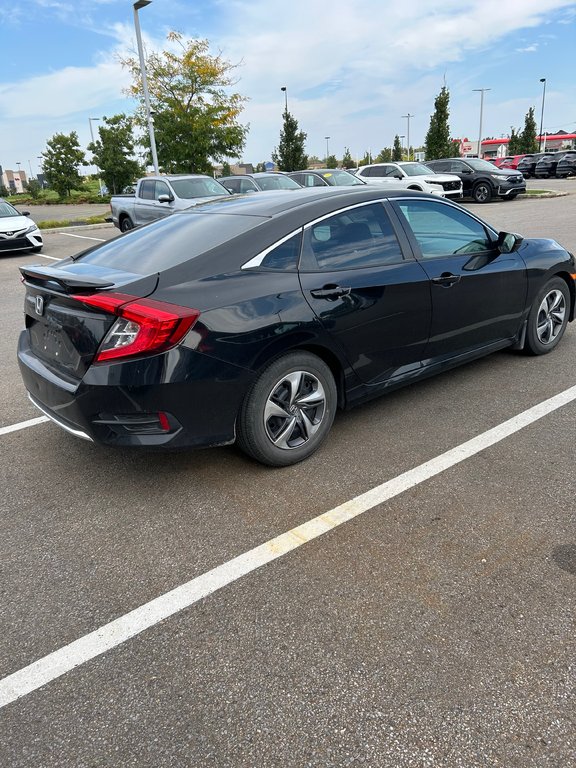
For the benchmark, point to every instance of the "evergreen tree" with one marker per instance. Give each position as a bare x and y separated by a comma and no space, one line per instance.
366,160
437,143
331,161
290,155
385,156
226,170
347,161
515,143
528,141
61,161
397,149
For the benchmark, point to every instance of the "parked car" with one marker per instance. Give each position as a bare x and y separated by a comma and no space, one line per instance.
325,177
480,179
159,196
566,165
498,161
527,165
258,182
254,318
546,165
414,176
17,231
511,162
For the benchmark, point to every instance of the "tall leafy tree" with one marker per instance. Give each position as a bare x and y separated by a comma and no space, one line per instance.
397,149
331,161
437,143
385,155
366,160
61,161
347,161
196,116
528,141
290,154
113,153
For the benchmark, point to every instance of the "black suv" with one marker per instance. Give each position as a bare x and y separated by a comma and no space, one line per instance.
480,179
566,165
527,166
546,166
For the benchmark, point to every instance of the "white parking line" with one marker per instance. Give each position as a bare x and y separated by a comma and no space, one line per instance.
43,255
120,630
83,237
22,425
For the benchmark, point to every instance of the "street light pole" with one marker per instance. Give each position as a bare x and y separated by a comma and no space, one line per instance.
95,119
481,91
137,6
542,80
283,88
408,116
327,152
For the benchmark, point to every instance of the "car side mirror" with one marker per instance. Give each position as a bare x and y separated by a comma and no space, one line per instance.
508,242
165,198
397,175
466,170
24,213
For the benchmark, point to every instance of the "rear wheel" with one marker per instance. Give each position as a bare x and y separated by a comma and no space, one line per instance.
126,224
289,410
548,317
482,192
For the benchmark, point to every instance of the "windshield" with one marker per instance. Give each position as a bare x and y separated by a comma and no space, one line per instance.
480,165
276,182
341,179
7,210
415,169
187,189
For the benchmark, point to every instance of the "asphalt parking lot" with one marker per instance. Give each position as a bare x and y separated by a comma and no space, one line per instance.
435,628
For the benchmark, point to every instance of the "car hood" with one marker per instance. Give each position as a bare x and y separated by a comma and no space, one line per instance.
15,223
506,172
434,178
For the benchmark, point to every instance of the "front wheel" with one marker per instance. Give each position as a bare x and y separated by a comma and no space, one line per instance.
289,410
548,317
482,192
126,224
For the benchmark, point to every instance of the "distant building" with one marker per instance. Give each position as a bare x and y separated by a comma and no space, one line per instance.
14,181
499,147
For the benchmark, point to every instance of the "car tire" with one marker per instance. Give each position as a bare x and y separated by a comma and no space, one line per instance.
482,192
126,224
288,411
548,317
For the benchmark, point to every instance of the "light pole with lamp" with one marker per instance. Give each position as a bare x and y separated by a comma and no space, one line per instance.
408,116
137,6
327,152
542,80
283,88
481,91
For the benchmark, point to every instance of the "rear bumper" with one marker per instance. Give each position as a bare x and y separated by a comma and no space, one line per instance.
178,399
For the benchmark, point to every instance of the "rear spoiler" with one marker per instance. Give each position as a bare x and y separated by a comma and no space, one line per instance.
67,280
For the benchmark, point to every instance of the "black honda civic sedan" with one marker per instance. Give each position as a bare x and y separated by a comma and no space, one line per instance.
253,319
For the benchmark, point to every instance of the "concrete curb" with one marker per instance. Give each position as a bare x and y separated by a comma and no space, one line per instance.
81,227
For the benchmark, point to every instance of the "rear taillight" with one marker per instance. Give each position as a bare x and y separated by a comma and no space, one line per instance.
143,327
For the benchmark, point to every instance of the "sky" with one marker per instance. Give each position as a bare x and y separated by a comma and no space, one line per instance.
352,68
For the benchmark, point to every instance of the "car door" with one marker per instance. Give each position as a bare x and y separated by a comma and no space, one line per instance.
478,293
370,294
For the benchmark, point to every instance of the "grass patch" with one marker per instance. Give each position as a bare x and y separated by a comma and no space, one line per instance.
536,192
75,223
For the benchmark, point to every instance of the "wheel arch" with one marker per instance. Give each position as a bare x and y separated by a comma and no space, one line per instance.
571,283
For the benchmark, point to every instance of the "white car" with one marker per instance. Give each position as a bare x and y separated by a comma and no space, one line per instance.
17,231
412,176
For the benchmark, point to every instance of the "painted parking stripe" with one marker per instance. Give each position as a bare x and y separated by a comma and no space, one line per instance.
103,639
22,425
83,237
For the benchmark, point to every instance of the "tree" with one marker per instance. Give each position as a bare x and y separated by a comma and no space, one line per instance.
515,143
226,170
61,161
112,153
290,155
385,156
33,187
196,118
347,161
260,168
397,149
437,143
528,141
331,161
366,160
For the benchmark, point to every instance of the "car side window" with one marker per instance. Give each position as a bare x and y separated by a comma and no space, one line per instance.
161,189
147,188
284,256
247,185
443,230
357,238
456,166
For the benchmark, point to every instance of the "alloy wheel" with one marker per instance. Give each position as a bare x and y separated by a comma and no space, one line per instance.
551,314
294,410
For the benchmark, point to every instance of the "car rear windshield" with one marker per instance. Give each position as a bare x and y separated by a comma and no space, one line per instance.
170,241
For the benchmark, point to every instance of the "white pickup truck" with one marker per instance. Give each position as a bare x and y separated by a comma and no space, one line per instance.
159,196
